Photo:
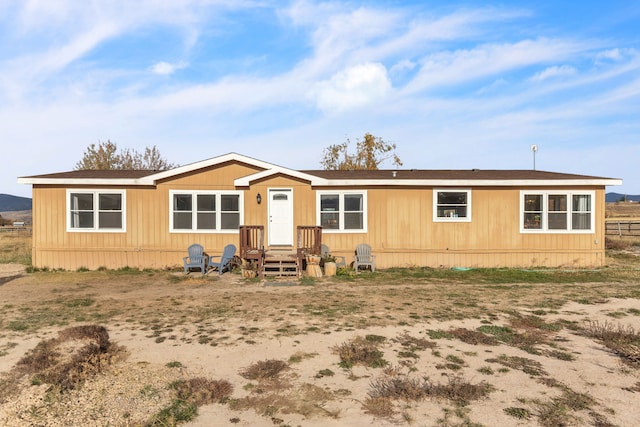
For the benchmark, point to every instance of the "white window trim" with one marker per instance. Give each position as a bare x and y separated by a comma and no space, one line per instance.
96,211
194,212
436,218
341,195
545,212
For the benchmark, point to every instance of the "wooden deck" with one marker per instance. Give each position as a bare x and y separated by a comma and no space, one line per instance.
279,262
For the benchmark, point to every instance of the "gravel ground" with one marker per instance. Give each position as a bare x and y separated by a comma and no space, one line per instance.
125,395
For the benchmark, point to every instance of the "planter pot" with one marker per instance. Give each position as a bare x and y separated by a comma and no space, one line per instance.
330,268
248,274
314,270
313,259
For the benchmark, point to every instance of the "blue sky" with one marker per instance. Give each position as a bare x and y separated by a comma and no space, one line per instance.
454,85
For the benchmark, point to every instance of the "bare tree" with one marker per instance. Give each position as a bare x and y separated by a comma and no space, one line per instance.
105,155
370,153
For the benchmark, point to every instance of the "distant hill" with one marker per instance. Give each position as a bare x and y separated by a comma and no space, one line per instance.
616,197
14,203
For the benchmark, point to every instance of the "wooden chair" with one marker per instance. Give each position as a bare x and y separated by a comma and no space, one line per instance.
195,259
224,260
252,245
340,260
364,258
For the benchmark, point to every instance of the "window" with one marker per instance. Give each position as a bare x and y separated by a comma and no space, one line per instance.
205,211
581,212
452,205
342,211
557,212
93,210
532,211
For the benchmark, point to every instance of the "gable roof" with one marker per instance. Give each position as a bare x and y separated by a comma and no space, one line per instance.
338,178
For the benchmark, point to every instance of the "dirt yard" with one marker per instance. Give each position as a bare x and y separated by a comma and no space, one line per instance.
383,350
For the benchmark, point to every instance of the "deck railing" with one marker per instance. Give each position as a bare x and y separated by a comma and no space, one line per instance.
309,241
252,245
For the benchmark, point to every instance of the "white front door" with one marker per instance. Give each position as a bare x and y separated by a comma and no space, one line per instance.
280,217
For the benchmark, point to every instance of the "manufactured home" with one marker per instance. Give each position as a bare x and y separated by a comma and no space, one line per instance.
435,218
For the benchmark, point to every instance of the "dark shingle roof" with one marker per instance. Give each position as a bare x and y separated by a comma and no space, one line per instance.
98,174
467,174
386,174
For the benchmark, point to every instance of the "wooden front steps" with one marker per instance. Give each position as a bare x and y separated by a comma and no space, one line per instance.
281,263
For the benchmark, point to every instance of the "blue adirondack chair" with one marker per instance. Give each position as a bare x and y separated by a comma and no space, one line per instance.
224,260
196,259
364,258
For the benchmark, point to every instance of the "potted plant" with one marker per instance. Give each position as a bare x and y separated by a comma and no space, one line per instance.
329,263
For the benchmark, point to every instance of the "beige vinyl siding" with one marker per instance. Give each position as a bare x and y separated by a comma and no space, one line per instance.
147,242
400,227
403,233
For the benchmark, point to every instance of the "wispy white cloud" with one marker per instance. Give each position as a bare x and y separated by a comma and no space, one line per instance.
57,34
460,66
165,68
616,54
402,66
555,71
343,36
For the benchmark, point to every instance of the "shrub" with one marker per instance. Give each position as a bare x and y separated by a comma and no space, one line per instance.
414,343
473,337
379,407
264,370
624,341
64,365
201,391
519,413
360,351
178,412
457,390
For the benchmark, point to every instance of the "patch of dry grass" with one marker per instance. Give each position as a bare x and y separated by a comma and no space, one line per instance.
65,362
473,337
526,365
622,340
413,343
264,369
202,391
307,400
360,351
457,390
190,394
565,409
15,248
622,210
381,407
